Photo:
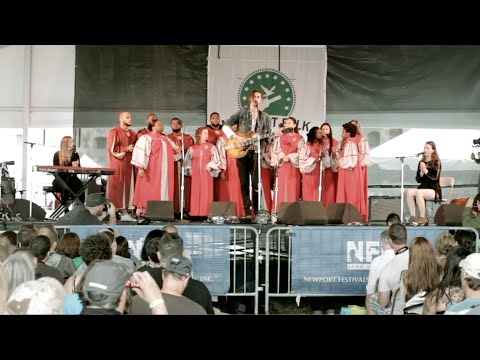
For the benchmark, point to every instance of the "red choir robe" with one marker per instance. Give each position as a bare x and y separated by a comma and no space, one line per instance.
310,169
266,180
120,186
197,158
155,153
349,183
363,160
289,177
213,134
330,174
227,185
142,132
188,141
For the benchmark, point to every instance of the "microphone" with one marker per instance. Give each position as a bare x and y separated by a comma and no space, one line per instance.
418,154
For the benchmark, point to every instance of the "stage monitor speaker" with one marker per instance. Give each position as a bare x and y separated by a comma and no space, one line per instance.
222,208
379,207
159,210
449,215
304,213
342,213
22,207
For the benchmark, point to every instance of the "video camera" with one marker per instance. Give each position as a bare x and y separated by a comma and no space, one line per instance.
476,142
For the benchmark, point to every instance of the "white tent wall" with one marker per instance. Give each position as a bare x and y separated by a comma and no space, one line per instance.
37,86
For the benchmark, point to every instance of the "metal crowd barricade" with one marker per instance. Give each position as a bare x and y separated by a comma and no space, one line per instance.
327,260
245,248
207,247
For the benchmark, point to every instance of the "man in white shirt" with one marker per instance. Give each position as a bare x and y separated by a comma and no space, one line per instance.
377,265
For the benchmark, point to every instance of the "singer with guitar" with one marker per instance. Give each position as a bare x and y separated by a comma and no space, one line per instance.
249,119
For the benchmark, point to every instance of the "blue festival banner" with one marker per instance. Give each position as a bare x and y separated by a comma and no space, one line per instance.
329,260
208,245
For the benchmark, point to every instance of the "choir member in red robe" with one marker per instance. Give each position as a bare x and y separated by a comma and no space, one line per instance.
312,165
349,183
120,143
227,184
154,156
214,129
285,155
202,163
330,173
144,131
176,136
364,161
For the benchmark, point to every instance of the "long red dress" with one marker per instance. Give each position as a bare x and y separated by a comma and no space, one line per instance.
364,161
155,153
120,185
289,177
197,158
330,174
349,183
188,141
310,170
227,186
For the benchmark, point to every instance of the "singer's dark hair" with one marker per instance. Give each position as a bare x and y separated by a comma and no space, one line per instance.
180,122
213,113
295,129
152,124
330,136
252,94
311,136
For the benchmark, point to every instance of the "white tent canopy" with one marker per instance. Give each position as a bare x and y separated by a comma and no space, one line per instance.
454,148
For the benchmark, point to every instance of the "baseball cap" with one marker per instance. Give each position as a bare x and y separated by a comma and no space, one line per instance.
95,200
471,265
179,264
106,277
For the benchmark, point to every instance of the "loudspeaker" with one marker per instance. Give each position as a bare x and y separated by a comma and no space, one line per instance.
159,210
305,213
379,207
22,207
342,213
449,215
281,211
222,208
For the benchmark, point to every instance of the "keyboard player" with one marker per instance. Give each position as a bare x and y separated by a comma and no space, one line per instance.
68,156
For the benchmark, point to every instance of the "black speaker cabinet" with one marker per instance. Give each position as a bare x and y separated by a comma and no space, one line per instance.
159,210
449,215
379,207
223,208
305,213
342,213
22,207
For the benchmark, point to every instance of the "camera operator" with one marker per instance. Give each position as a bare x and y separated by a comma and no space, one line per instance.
476,143
92,214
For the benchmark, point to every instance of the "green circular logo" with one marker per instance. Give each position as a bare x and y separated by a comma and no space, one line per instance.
276,87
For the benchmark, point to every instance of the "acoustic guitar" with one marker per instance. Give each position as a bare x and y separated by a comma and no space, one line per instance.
237,149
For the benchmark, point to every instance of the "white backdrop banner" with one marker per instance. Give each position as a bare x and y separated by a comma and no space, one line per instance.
293,79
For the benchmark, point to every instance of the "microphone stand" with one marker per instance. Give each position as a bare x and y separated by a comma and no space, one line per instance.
402,175
262,217
321,179
182,186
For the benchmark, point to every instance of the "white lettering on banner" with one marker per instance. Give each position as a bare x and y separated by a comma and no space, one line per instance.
204,279
361,253
331,279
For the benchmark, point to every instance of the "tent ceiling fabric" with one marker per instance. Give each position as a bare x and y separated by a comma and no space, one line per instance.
454,148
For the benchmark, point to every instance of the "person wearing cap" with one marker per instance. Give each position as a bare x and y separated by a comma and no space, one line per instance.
470,278
176,275
90,213
105,289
